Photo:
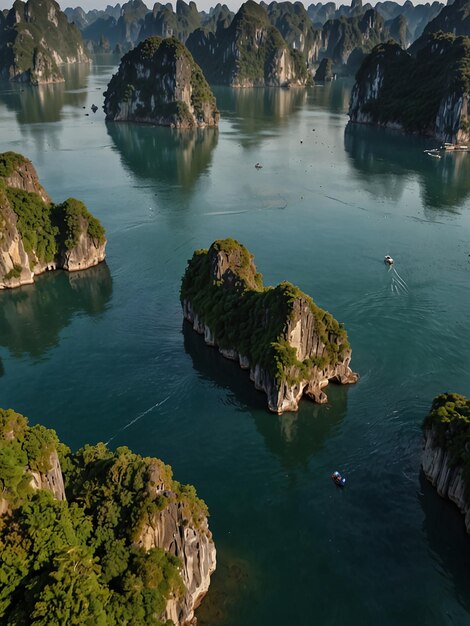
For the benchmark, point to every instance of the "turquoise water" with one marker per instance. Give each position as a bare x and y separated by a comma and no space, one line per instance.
103,355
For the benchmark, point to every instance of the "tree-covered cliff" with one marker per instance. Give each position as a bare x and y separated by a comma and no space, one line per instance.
158,82
103,549
426,93
250,52
37,235
446,456
291,346
35,38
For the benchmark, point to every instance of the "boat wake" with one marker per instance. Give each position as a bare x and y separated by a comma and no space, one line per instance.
136,419
398,284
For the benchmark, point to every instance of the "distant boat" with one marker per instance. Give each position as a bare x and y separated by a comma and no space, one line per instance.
388,260
436,156
258,166
338,479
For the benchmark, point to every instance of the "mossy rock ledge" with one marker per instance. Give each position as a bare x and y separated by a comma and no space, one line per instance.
424,90
159,83
290,345
446,454
37,235
95,536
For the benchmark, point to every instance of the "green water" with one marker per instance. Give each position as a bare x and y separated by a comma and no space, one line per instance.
103,355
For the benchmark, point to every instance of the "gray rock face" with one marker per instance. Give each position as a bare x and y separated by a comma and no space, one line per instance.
448,480
52,480
173,531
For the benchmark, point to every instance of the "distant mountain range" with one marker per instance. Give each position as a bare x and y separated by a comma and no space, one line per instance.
344,34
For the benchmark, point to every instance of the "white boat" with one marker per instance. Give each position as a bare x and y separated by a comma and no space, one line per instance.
388,260
436,156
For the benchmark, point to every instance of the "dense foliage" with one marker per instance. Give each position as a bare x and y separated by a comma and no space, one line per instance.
245,316
45,228
413,87
76,561
449,420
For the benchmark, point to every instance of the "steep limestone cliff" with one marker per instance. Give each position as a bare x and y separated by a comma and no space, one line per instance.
37,235
347,39
35,39
290,345
146,534
250,52
446,458
427,93
159,83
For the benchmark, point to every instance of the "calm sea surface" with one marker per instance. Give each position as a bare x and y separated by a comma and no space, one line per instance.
103,355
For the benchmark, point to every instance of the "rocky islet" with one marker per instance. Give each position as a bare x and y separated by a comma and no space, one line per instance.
37,235
291,346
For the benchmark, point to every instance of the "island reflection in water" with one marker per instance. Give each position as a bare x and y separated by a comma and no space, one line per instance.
385,161
254,113
293,437
32,316
166,155
44,103
444,528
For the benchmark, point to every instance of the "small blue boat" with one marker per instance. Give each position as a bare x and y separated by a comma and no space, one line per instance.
338,479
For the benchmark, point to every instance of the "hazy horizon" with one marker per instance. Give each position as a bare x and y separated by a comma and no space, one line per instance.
202,5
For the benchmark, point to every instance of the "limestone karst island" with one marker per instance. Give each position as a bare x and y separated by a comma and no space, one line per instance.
159,83
291,346
37,235
154,159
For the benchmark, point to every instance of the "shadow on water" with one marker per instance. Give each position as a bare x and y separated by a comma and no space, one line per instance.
447,538
33,105
293,437
171,156
385,161
31,317
254,113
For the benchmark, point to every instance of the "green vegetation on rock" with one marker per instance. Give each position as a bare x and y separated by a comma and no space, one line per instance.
70,216
9,161
21,447
151,86
449,419
245,316
413,87
249,52
76,561
45,228
35,224
34,38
